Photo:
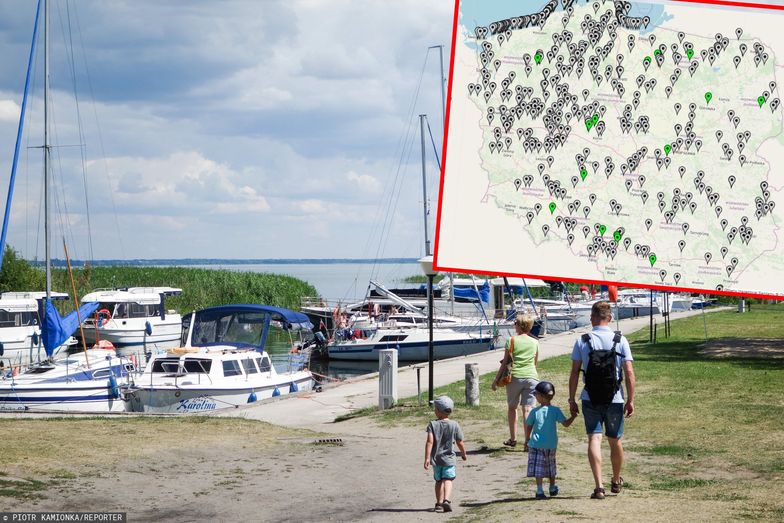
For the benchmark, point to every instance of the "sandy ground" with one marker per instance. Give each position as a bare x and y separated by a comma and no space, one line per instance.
745,348
374,474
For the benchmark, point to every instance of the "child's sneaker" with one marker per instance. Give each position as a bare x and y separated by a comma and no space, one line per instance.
541,495
438,508
447,505
554,490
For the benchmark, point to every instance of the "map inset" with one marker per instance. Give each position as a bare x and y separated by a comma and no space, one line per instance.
616,141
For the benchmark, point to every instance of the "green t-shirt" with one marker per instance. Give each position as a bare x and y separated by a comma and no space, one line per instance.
525,349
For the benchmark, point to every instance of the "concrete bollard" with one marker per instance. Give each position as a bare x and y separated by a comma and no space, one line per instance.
472,384
387,378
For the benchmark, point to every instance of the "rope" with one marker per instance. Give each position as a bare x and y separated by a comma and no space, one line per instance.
326,377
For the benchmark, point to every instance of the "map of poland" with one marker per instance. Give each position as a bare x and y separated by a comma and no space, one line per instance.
614,141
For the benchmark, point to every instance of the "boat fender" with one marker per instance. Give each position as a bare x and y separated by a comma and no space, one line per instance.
114,389
252,398
276,392
293,387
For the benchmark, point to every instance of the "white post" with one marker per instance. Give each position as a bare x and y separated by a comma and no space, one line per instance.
472,384
741,305
387,378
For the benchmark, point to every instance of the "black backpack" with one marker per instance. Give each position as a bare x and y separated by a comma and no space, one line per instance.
602,375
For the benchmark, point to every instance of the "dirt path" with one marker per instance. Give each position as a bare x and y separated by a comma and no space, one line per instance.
376,474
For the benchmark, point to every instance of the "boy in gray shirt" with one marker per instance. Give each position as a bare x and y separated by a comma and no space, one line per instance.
442,433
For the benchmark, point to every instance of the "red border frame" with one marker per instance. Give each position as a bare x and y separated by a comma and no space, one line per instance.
728,3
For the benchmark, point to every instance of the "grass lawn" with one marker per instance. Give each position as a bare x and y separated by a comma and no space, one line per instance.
38,454
707,431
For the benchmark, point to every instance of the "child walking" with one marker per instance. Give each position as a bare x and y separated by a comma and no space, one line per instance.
541,434
442,434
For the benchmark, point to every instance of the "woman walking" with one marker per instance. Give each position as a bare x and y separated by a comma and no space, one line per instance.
523,350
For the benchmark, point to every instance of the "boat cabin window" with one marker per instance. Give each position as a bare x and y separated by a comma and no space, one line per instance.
194,365
250,366
16,319
102,374
167,365
137,310
393,337
111,307
264,365
231,368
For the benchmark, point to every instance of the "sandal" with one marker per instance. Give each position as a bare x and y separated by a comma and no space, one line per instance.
510,442
615,488
598,493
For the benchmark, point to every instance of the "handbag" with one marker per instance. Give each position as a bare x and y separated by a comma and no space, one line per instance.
506,370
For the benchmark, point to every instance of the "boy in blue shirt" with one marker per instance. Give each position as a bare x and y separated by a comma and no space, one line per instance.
542,438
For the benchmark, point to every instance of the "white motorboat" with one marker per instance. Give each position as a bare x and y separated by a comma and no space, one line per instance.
412,344
221,364
82,382
20,328
134,320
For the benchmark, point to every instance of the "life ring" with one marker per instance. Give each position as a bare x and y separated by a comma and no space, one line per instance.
103,317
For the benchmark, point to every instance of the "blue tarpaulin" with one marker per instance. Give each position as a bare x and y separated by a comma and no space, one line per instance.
56,329
484,293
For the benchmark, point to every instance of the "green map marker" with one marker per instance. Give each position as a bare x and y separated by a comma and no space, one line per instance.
552,207
652,259
646,59
538,58
667,149
689,53
708,97
583,173
595,119
602,229
617,236
761,100
657,52
589,123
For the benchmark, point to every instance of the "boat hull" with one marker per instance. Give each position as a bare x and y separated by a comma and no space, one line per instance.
362,350
199,399
66,398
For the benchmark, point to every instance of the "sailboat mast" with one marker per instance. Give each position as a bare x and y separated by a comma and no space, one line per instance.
47,232
424,181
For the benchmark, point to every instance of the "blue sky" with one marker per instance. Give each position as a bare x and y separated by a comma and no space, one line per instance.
234,129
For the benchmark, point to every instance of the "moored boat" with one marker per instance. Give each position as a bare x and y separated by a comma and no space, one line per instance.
134,319
222,363
83,382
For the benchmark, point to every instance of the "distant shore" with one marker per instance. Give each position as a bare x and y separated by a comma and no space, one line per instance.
175,262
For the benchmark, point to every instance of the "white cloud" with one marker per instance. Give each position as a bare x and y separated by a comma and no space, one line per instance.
9,111
183,183
365,182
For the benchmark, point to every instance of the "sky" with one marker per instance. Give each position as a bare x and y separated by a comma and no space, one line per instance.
232,129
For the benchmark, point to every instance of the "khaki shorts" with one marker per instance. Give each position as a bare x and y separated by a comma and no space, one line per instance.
520,391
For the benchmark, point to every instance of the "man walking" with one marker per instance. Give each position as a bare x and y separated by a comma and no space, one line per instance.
605,359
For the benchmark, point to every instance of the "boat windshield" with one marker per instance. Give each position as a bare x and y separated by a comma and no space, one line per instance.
236,328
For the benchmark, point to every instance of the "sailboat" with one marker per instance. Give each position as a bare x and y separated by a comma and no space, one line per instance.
84,382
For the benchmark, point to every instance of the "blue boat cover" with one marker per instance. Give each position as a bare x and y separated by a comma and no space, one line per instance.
484,293
289,318
57,329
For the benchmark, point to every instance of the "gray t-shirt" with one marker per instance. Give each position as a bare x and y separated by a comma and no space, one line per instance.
445,433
